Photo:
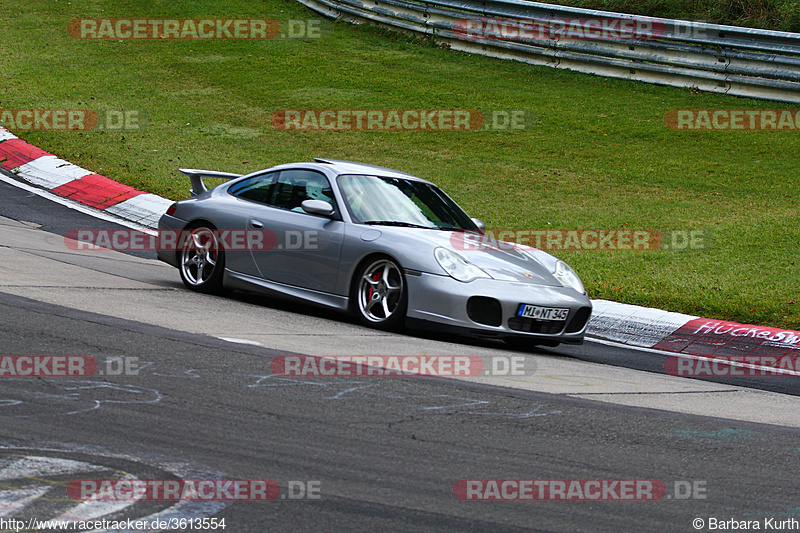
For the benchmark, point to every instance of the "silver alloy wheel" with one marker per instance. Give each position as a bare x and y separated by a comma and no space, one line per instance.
380,291
199,256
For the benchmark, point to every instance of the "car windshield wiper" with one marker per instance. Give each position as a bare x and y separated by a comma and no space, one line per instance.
397,223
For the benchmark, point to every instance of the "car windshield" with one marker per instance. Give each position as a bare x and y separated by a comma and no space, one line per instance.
401,202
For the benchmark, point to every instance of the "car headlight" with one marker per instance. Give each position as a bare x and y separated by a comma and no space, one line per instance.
567,277
458,267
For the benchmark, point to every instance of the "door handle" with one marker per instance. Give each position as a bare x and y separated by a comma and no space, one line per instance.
256,223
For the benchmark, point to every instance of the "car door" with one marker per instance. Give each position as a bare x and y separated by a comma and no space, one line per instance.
307,248
234,213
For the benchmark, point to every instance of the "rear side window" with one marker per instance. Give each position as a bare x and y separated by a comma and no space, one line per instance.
293,187
256,189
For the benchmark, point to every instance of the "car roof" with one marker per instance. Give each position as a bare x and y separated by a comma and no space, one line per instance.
352,167
338,167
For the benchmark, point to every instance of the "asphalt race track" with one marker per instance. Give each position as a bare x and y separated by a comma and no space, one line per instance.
198,400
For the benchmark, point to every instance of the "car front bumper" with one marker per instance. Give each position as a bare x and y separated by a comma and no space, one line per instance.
488,308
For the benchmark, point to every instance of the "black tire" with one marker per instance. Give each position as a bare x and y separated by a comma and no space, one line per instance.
201,259
380,294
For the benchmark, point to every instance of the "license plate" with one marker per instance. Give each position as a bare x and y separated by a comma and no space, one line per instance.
542,313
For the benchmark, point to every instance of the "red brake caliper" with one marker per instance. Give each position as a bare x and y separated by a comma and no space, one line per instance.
375,277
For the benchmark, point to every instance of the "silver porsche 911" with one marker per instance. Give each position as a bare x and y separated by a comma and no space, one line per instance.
389,247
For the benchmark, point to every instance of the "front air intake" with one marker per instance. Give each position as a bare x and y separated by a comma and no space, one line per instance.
579,320
485,310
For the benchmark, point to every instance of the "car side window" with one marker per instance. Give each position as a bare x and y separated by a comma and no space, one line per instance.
257,189
293,187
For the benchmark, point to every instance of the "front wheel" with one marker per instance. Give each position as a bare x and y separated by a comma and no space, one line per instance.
381,296
202,260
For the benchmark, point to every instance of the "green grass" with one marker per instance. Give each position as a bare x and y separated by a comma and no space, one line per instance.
599,157
783,15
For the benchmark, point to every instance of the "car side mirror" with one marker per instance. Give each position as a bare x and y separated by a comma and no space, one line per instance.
481,225
317,207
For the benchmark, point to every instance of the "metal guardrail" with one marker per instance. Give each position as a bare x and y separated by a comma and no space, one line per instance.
710,57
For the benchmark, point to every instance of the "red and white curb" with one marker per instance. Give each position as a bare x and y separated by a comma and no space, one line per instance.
640,327
61,177
696,337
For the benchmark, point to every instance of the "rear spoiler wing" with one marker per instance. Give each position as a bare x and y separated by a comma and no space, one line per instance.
196,178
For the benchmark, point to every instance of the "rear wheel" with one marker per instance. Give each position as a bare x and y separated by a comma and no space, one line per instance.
380,294
202,260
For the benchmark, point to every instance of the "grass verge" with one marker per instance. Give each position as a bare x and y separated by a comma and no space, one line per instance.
782,15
